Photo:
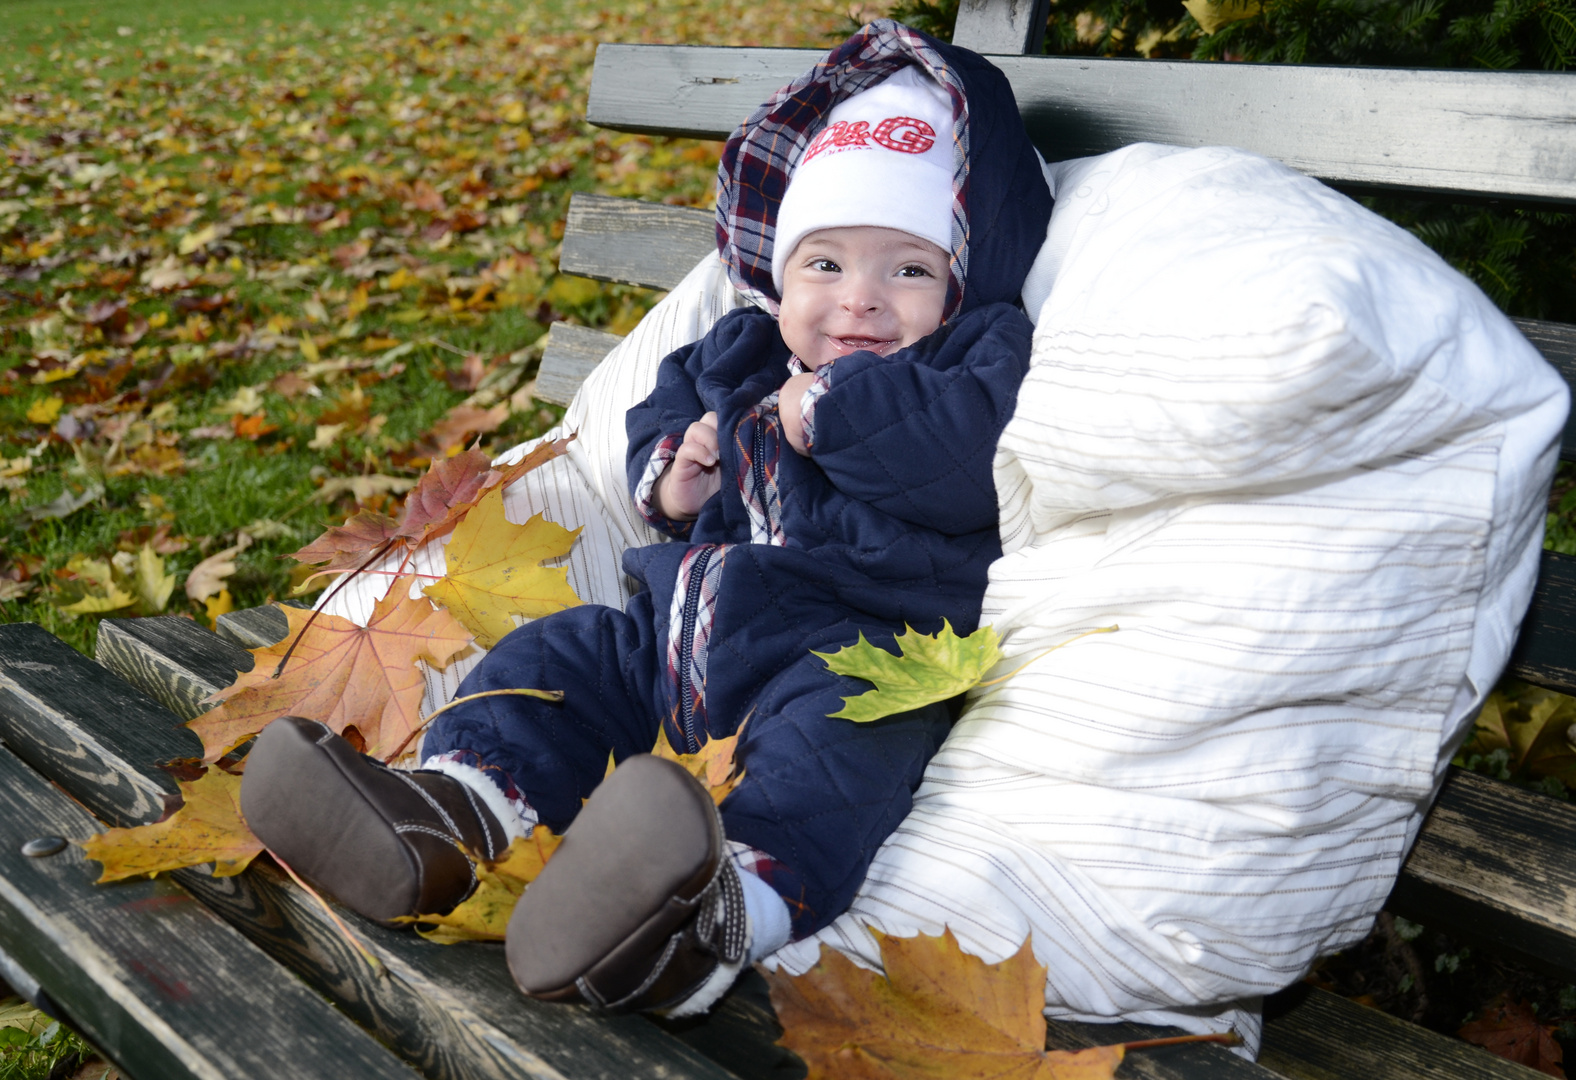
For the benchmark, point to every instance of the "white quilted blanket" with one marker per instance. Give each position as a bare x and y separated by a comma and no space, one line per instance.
1301,464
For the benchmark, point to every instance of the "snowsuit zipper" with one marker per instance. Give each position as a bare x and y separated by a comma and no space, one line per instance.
692,592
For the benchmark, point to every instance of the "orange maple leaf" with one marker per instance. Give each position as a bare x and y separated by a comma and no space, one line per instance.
712,765
252,427
938,1011
1514,1032
341,674
208,827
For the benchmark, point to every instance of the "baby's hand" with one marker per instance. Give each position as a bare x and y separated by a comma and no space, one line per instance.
693,476
789,398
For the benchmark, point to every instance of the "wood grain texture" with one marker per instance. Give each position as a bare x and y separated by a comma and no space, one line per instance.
1012,27
451,1010
634,243
254,628
1545,653
1496,860
155,980
571,354
1476,133
1316,1035
1557,343
151,654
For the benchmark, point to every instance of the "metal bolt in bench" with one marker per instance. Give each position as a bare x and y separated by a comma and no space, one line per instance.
172,988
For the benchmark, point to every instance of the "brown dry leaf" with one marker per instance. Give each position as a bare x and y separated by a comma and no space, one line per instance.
347,546
484,916
209,576
207,828
938,1012
340,674
495,570
1514,1032
460,423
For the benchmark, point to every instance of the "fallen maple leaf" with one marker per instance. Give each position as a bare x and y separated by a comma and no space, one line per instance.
208,827
495,570
938,1012
927,669
208,577
95,580
152,583
484,916
712,765
460,423
1514,1032
443,496
340,674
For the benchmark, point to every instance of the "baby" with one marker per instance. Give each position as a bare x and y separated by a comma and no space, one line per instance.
823,463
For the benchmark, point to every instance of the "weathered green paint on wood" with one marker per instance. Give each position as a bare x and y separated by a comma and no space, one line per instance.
148,975
452,1010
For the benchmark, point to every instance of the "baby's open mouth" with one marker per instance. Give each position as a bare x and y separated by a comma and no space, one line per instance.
869,344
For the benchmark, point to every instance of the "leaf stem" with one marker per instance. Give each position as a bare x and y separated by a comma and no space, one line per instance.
1113,628
366,954
545,695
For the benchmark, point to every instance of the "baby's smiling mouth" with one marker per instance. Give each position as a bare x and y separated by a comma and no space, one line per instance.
863,344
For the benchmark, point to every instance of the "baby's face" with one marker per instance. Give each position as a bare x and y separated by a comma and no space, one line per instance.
860,288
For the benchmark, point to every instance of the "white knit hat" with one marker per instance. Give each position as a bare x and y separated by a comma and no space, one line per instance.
884,158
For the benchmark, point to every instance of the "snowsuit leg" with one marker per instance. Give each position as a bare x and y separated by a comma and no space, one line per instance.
556,752
820,795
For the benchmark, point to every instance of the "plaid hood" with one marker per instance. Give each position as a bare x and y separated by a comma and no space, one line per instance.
1001,205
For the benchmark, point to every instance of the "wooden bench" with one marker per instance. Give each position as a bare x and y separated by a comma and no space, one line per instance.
192,976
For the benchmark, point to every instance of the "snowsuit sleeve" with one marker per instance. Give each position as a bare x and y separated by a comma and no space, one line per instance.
914,435
656,431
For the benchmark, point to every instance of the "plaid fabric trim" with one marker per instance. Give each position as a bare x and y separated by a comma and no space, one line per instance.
760,157
750,860
665,452
517,801
812,396
758,439
689,635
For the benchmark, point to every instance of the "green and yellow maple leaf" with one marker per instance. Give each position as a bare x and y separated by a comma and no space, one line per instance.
484,916
927,669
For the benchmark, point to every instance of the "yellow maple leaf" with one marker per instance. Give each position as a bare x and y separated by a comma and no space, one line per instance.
101,592
938,1011
340,674
45,410
712,765
207,828
495,570
484,916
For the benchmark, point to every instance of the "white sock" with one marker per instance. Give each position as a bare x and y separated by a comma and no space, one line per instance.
770,923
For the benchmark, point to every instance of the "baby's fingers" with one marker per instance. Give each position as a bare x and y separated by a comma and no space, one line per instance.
700,441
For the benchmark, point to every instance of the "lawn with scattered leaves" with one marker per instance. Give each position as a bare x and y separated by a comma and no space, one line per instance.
259,267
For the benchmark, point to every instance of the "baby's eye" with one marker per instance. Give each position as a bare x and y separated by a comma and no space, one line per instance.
827,266
913,270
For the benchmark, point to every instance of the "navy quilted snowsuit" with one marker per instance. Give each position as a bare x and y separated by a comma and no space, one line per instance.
891,520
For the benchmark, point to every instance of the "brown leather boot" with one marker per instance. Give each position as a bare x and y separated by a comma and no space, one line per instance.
638,908
382,841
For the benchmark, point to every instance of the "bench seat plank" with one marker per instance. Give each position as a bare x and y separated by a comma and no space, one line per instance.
151,978
1545,653
451,1010
1477,133
149,654
1323,1036
1495,860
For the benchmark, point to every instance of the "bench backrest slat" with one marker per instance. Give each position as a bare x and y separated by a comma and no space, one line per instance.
1473,133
